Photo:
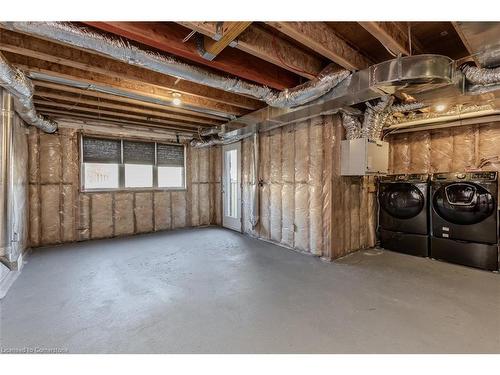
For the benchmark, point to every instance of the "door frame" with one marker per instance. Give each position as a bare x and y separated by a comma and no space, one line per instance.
228,221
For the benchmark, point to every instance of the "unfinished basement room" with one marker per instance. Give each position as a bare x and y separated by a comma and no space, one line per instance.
261,187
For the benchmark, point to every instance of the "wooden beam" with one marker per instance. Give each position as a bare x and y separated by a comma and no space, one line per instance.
121,99
261,43
56,53
75,100
389,35
56,113
229,31
168,37
464,40
34,65
46,105
321,38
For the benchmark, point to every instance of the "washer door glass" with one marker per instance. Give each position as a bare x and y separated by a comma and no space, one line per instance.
463,203
401,200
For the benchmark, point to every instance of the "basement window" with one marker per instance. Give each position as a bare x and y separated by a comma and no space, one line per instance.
110,164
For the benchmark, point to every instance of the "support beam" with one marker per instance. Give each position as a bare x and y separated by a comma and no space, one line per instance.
229,31
198,105
321,38
169,38
261,43
72,99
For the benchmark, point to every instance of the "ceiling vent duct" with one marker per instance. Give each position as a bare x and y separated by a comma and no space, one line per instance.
401,77
21,88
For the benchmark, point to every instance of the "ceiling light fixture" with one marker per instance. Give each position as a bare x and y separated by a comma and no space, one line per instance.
440,107
177,98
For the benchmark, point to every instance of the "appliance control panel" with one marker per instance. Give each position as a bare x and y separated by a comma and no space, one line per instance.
465,176
415,177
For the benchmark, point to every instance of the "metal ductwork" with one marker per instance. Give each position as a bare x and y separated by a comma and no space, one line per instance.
409,75
21,88
118,49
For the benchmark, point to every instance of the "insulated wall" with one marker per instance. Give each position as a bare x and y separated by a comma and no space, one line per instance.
446,150
304,202
59,212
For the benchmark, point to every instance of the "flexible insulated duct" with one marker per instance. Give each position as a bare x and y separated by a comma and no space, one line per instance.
121,50
15,82
352,125
375,117
481,76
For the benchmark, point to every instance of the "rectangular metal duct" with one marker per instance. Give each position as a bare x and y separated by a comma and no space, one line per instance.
412,75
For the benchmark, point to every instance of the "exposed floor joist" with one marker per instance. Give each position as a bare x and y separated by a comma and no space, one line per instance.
104,116
464,40
321,39
393,36
43,50
44,105
98,108
67,89
261,43
86,100
166,37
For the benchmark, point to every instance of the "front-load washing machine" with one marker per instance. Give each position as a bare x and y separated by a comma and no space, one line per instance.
403,214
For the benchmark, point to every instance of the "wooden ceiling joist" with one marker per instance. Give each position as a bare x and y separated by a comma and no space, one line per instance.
40,49
56,113
229,32
121,99
394,36
169,37
56,70
389,35
263,44
458,29
321,39
43,105
72,99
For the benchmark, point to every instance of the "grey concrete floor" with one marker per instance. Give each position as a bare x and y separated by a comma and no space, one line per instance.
215,291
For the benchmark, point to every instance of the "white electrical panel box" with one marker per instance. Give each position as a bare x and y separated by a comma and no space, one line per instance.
360,157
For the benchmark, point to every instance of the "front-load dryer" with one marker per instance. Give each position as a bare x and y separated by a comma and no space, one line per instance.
464,218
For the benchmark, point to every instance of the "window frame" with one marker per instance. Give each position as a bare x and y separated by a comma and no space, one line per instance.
121,167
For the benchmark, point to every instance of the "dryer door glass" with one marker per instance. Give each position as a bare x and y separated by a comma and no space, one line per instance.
401,200
463,203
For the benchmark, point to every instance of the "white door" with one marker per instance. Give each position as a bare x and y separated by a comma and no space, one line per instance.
231,186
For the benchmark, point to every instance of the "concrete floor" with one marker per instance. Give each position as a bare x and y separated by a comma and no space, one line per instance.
215,291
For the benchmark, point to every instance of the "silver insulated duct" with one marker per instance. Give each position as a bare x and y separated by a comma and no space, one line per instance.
481,76
121,50
15,82
352,126
375,117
